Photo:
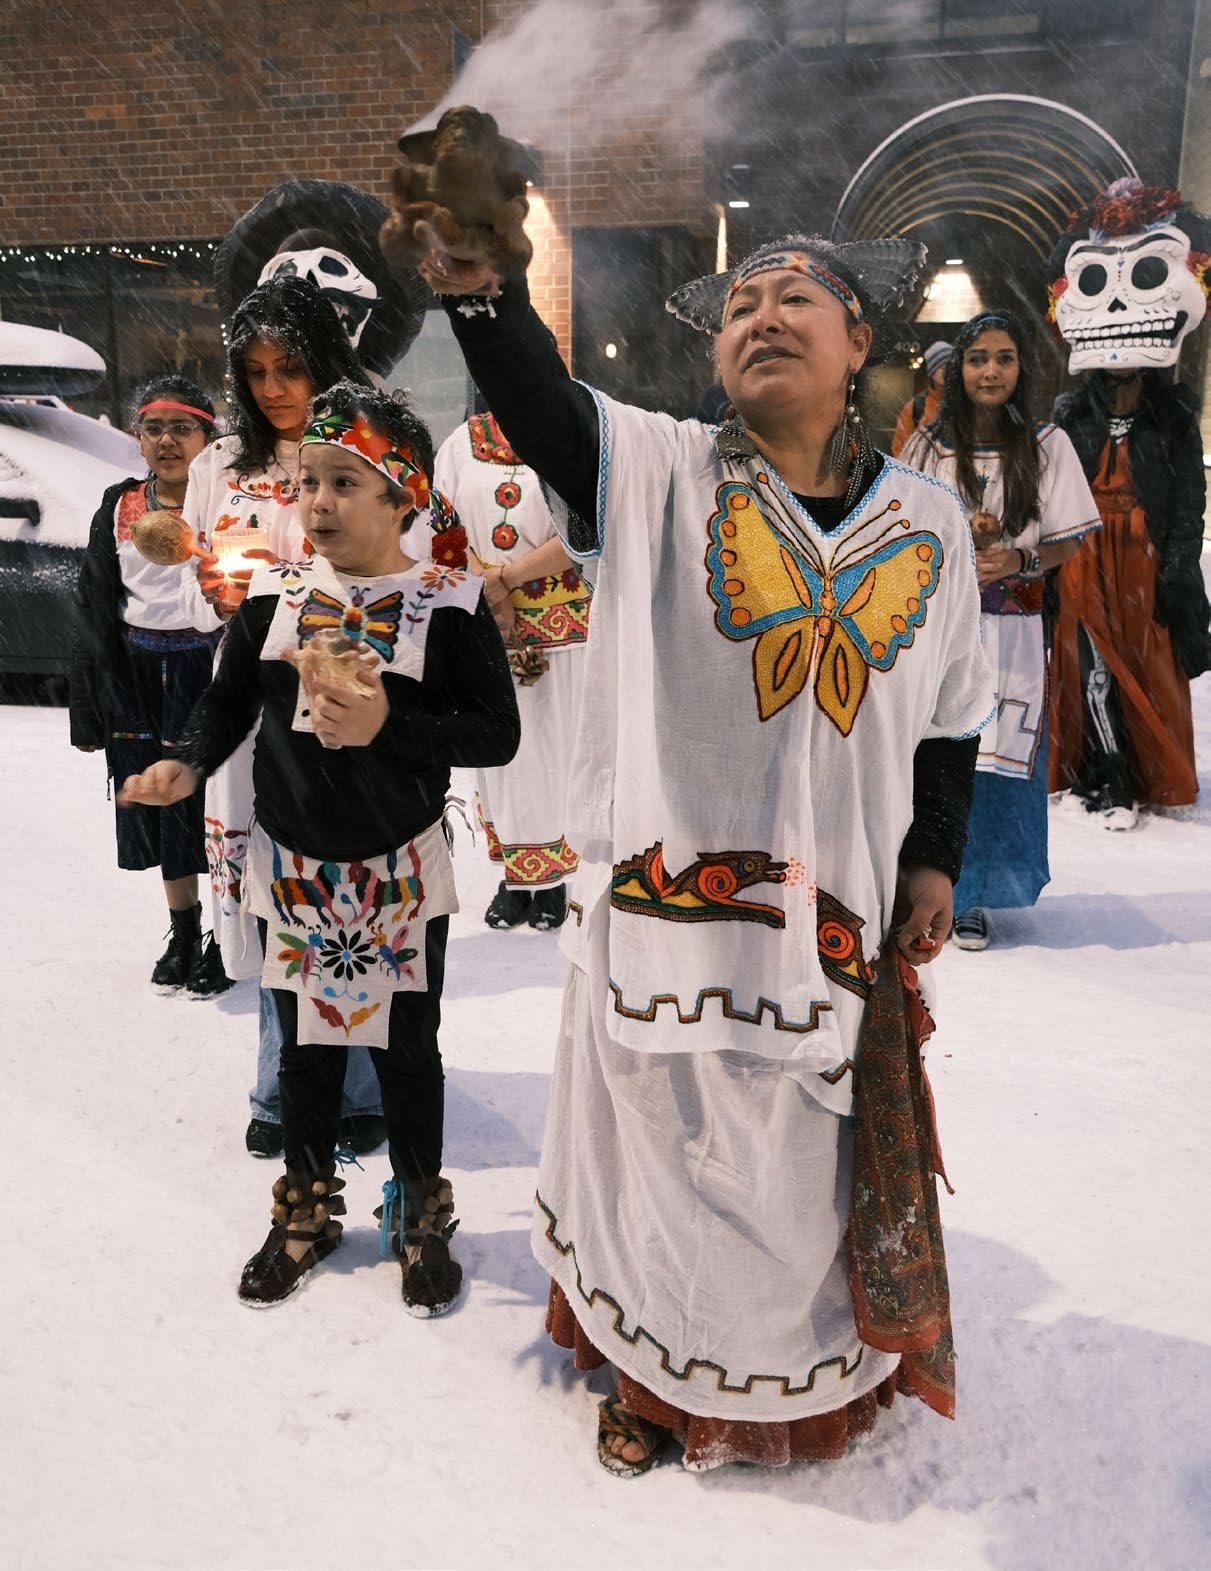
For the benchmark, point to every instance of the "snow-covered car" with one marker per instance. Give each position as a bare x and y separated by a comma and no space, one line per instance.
54,465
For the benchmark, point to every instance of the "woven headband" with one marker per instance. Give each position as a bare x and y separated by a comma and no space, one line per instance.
885,272
168,403
360,438
795,262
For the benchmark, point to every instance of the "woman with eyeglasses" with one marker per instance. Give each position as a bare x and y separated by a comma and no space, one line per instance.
139,664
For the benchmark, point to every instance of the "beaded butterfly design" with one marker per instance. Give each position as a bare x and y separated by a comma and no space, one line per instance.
375,624
835,622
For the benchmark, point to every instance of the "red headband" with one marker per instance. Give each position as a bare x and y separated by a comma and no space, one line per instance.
168,403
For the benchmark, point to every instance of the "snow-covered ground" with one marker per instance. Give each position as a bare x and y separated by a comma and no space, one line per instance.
147,1419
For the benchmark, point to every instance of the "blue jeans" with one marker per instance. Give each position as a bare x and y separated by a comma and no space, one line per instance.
360,1095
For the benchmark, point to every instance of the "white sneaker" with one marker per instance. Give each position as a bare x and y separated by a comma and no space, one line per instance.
970,930
1120,817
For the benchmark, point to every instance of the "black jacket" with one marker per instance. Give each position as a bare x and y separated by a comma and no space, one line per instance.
353,802
1165,458
96,647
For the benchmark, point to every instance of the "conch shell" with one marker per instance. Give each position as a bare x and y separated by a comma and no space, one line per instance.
332,659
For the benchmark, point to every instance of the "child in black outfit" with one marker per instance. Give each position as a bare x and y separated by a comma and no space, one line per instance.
373,675
138,667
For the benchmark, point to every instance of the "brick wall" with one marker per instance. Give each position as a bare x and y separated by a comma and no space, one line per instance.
116,126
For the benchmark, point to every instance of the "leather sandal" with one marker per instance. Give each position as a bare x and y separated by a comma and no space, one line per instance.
272,1274
615,1420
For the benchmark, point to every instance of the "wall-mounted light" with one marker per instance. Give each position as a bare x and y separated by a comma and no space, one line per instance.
738,186
531,165
952,295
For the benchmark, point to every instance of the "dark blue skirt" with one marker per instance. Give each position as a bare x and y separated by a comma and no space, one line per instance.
160,681
1005,863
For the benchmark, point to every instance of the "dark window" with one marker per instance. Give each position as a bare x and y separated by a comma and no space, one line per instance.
623,340
144,307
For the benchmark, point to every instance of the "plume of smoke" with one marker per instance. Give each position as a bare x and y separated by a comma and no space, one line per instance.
570,74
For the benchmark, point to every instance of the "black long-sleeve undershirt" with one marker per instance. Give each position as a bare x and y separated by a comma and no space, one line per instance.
551,423
350,802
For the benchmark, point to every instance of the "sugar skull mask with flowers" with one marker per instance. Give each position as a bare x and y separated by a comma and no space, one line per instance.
1134,281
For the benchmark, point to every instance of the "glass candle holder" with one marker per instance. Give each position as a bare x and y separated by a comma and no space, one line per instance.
231,547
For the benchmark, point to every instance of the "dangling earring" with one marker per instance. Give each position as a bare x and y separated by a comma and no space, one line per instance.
851,444
838,447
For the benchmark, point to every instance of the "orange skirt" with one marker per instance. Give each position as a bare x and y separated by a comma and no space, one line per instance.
1109,587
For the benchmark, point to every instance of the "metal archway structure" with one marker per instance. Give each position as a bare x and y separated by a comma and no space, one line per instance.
1004,158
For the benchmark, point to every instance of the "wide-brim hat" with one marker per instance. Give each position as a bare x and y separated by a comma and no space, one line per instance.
885,271
353,218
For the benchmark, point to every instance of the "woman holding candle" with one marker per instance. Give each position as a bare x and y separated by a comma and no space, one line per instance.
285,343
1029,505
139,663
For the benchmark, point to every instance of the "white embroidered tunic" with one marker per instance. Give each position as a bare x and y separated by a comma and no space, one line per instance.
756,688
1013,632
501,505
742,785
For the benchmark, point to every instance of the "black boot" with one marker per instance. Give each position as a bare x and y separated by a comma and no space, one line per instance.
508,908
549,908
361,1133
184,949
207,979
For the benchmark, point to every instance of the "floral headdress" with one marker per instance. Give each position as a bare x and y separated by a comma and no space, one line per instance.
448,545
361,438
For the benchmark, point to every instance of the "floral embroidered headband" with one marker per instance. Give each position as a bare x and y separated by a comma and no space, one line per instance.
361,438
795,262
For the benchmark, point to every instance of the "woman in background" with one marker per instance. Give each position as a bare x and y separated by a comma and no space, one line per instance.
541,605
1029,506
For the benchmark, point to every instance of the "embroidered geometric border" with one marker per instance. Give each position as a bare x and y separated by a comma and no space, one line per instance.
529,866
693,1365
729,1010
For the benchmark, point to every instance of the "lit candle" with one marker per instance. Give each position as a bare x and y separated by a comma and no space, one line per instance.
232,548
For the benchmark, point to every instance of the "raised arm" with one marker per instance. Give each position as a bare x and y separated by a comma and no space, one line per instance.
550,420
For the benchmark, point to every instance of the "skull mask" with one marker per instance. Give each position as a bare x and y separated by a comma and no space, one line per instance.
352,295
1130,301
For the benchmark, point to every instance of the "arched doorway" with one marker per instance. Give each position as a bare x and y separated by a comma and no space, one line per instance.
988,184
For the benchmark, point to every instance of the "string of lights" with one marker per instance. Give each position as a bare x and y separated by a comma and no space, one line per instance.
197,251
